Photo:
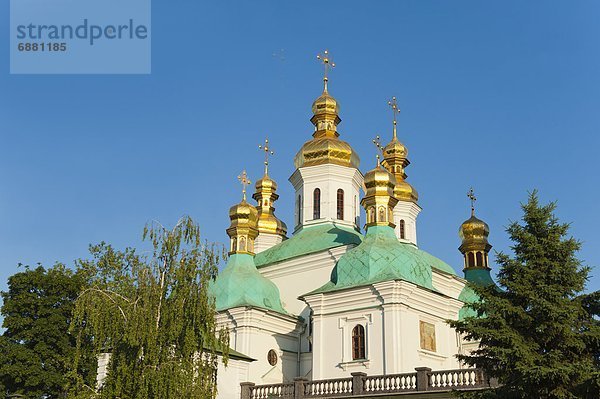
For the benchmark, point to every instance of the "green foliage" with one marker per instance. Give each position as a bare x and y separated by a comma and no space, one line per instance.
36,348
154,315
539,334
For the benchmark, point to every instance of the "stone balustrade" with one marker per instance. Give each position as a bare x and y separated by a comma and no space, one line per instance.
423,379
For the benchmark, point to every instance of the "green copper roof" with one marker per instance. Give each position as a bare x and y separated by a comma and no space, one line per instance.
480,277
240,284
436,263
309,240
381,257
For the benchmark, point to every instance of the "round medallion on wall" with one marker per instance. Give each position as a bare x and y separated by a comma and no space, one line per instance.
272,357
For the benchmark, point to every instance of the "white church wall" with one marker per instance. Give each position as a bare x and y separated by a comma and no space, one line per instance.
230,377
391,313
254,332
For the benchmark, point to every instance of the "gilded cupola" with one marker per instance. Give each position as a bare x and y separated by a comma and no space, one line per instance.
379,200
325,147
243,229
395,160
265,197
474,234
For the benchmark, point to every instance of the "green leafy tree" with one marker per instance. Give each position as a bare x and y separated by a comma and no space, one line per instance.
539,332
154,315
36,350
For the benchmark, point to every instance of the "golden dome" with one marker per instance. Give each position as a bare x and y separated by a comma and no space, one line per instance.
324,150
265,196
379,181
243,229
395,159
265,183
474,228
325,104
405,192
243,214
474,234
379,200
395,149
326,147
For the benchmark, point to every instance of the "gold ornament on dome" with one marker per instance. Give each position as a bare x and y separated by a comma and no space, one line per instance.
243,216
474,232
265,197
245,181
267,150
379,200
395,160
328,64
395,110
472,198
326,147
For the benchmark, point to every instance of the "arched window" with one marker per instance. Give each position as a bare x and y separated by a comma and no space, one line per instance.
371,215
479,259
470,259
317,204
340,204
402,229
381,217
233,244
358,342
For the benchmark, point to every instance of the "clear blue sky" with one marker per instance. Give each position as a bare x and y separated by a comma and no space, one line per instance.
503,96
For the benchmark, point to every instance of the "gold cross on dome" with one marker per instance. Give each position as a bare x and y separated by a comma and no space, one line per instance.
473,198
268,152
395,110
379,147
243,178
328,63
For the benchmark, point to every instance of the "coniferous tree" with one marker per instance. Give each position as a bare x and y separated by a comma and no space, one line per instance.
539,333
154,315
36,350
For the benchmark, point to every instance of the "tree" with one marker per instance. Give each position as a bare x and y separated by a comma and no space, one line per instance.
154,315
539,333
36,348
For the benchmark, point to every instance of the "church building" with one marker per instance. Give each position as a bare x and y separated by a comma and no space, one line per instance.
328,297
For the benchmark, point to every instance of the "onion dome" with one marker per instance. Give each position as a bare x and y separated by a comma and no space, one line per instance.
326,108
379,200
241,284
474,234
265,196
326,147
243,229
395,160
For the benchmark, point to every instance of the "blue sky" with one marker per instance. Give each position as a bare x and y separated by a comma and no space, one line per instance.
502,96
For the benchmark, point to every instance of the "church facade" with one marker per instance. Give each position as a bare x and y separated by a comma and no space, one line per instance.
332,299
